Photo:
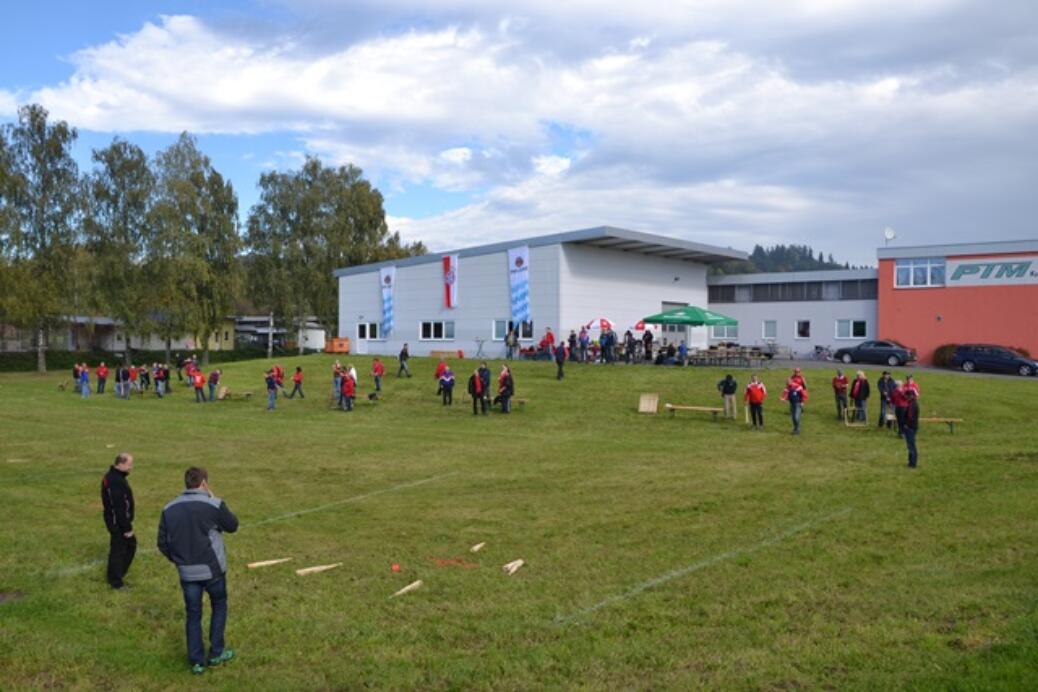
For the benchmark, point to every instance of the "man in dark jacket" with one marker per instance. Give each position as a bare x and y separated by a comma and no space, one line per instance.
728,387
117,500
560,360
860,395
191,537
484,376
886,404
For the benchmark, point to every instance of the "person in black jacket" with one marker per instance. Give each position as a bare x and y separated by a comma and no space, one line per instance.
728,387
560,360
477,392
860,395
911,427
484,376
117,501
886,405
505,389
191,537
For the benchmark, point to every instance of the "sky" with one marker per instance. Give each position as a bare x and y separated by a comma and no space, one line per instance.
728,122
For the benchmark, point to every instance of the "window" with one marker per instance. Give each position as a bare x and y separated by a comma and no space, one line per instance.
437,331
850,329
743,294
919,272
226,336
721,294
502,327
803,329
726,333
367,330
769,329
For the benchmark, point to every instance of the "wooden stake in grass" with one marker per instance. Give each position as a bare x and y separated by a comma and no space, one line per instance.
512,567
410,587
267,563
317,568
476,548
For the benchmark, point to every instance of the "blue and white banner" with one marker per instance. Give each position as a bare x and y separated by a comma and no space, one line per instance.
519,280
386,279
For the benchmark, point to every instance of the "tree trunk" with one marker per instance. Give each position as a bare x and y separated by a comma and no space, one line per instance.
41,350
270,336
169,350
205,350
128,351
301,333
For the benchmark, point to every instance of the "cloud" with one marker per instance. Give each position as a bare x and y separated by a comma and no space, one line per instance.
786,121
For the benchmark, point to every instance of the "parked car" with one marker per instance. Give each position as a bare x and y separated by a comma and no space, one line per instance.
880,352
971,357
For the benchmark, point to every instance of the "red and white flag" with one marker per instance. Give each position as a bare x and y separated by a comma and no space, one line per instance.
450,281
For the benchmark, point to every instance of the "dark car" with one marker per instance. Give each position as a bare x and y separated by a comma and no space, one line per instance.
879,352
992,358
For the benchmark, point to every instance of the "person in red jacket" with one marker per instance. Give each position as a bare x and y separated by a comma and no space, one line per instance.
798,377
796,395
840,384
102,377
860,394
134,384
198,382
279,378
378,371
297,384
441,368
756,392
900,403
349,391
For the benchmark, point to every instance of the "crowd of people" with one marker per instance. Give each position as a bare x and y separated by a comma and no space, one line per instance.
129,379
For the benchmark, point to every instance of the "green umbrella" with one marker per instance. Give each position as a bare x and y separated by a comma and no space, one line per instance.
692,316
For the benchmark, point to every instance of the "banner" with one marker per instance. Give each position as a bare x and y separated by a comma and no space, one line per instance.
994,271
450,281
386,280
519,280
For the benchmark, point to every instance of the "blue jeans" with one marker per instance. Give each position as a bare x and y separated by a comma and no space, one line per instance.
199,395
272,397
212,391
859,409
378,383
100,385
913,454
84,389
160,387
217,590
885,407
795,411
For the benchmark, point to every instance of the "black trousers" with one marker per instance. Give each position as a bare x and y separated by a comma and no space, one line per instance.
477,402
558,375
448,395
757,414
120,556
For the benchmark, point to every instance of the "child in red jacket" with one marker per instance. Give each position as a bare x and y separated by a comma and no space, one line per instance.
349,391
297,384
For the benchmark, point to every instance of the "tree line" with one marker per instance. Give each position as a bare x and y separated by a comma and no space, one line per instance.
780,258
155,243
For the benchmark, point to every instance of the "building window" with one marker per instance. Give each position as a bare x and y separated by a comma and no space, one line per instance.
803,329
437,331
502,327
919,272
721,294
769,329
367,330
226,336
850,329
726,333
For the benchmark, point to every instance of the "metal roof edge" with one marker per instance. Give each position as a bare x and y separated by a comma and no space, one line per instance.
793,277
953,249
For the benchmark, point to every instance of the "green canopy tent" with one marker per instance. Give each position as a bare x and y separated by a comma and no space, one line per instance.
692,316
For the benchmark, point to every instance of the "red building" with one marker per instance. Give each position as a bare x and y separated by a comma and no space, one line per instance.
965,293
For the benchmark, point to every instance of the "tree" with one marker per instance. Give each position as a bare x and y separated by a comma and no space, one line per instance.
40,212
307,224
116,229
195,248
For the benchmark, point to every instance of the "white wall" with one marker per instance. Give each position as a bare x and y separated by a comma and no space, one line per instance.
625,287
822,314
483,296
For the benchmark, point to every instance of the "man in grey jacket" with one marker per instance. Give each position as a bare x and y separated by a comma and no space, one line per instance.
191,537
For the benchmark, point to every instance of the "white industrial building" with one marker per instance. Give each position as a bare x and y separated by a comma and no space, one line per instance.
573,278
797,311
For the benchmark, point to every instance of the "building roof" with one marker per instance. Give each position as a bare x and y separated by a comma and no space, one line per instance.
607,237
792,277
992,248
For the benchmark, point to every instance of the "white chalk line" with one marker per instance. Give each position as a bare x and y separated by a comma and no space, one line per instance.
93,564
700,565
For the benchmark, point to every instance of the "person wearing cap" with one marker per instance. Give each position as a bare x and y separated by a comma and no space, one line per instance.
911,426
840,384
117,501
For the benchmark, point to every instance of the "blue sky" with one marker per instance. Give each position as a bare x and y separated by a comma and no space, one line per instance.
731,122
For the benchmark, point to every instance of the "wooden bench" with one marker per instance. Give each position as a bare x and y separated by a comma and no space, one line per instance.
702,409
950,421
457,353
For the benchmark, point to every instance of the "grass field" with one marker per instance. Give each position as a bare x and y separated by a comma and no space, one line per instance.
661,553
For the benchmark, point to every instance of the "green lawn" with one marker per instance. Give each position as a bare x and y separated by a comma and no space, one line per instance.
661,553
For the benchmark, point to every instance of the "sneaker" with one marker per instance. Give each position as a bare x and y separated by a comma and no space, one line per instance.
225,657
197,669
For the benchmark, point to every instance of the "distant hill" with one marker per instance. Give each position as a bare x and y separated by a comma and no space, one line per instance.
780,258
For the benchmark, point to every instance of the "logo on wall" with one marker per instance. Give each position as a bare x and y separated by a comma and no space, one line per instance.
450,281
1011,271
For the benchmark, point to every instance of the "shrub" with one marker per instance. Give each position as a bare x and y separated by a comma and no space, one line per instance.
942,355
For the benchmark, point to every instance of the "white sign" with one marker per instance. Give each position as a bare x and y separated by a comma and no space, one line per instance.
994,271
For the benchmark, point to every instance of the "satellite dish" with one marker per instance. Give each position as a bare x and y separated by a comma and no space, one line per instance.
889,233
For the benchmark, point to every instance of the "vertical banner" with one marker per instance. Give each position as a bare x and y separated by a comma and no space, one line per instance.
386,279
519,280
450,281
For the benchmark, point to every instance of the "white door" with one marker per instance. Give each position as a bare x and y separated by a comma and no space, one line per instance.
361,342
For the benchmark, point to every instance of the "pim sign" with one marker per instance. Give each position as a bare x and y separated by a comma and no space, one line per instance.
1007,271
